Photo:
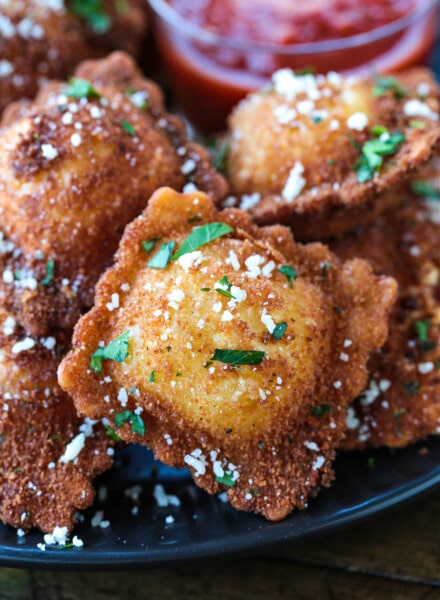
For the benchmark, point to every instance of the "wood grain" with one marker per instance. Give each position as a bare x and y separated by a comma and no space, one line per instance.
404,545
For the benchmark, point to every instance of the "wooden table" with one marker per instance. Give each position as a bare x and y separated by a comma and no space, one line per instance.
393,557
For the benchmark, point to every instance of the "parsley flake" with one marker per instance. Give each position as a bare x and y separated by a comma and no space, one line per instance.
425,189
238,357
224,281
372,153
162,256
92,12
411,388
290,273
396,418
49,273
382,85
417,125
422,328
279,330
149,245
112,434
128,127
128,416
152,377
226,479
200,236
81,88
116,350
321,409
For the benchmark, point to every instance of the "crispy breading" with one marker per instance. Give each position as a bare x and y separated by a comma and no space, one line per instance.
73,173
294,148
45,40
37,423
264,432
402,401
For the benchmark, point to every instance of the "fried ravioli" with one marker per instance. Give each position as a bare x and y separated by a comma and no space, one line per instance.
75,167
324,154
228,349
401,403
48,455
41,40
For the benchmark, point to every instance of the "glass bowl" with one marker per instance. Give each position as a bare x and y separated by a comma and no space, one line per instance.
209,73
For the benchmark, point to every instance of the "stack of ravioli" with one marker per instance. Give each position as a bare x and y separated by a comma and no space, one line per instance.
245,325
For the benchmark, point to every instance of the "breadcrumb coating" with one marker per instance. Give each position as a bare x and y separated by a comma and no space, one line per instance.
49,456
42,40
401,403
324,154
223,347
75,167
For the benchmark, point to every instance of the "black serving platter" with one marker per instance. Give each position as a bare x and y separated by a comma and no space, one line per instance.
366,484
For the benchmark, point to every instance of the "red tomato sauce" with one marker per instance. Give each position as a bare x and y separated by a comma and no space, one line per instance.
209,80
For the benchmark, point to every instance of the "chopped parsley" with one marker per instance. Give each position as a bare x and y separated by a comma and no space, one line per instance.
417,125
396,418
422,328
152,377
149,245
425,189
372,153
290,274
219,162
128,416
226,479
325,266
49,273
224,281
382,85
411,388
92,12
128,127
116,350
200,236
279,330
162,256
81,88
194,219
321,409
112,434
238,357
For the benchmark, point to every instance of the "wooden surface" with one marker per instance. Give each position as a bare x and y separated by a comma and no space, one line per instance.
393,557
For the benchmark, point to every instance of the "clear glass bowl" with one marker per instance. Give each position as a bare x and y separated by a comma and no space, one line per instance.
209,73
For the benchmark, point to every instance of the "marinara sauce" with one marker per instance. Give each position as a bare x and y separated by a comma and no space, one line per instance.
254,38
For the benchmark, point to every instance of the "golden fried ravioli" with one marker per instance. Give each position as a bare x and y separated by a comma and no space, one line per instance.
228,349
323,154
48,455
75,167
401,403
42,40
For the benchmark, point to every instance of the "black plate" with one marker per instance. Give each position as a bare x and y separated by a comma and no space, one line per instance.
366,484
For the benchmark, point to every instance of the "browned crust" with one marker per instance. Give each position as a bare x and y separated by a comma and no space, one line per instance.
61,42
72,208
403,405
37,421
278,471
333,201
